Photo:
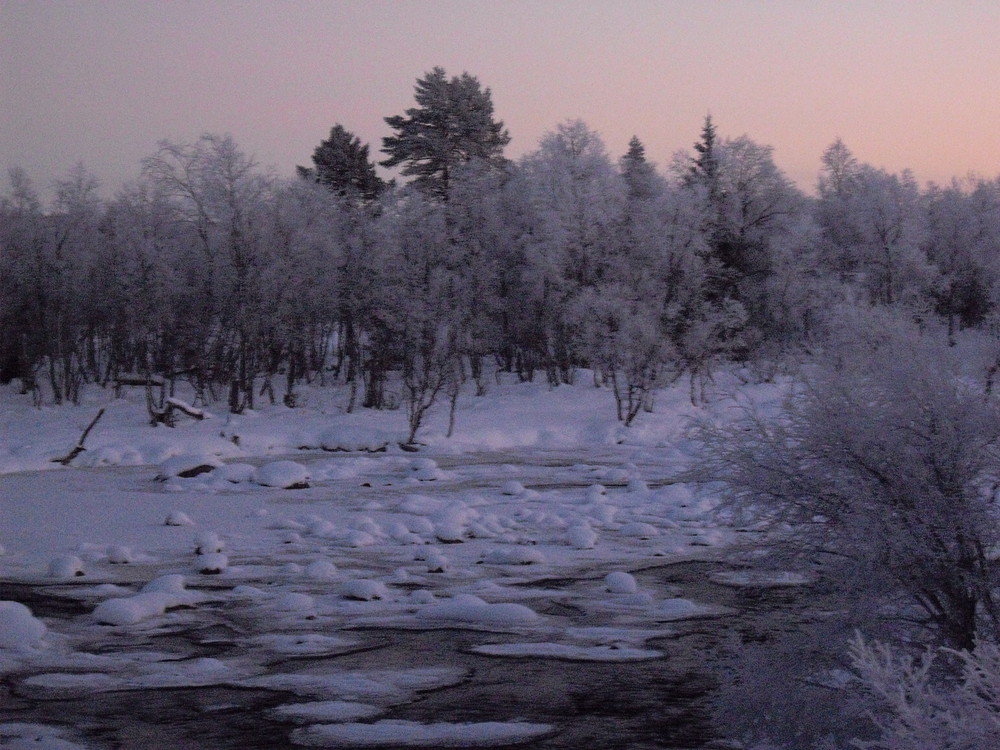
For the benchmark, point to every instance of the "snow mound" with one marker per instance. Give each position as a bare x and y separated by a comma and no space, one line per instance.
512,488
321,570
178,518
581,536
236,473
471,609
425,470
19,629
400,733
355,439
620,583
327,711
133,609
640,530
187,466
66,566
208,543
363,590
119,555
212,564
285,475
607,653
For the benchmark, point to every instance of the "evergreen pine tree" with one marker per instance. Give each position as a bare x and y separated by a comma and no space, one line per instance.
452,126
640,176
341,163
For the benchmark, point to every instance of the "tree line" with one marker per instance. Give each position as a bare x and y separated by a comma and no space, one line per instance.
210,270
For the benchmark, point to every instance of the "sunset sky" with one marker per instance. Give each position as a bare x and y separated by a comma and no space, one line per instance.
905,83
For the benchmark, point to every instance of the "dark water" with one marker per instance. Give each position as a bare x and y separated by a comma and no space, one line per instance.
634,705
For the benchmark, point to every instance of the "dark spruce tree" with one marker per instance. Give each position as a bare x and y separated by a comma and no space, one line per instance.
451,126
640,176
341,163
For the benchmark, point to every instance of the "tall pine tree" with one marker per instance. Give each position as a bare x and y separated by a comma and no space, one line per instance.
451,126
341,163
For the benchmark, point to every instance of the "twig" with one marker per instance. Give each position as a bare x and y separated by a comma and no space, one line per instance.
67,459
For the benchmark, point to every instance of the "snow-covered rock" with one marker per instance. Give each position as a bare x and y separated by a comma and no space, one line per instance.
364,590
133,609
119,555
66,566
208,543
469,608
286,475
581,536
321,570
512,488
20,630
211,564
187,466
620,583
178,518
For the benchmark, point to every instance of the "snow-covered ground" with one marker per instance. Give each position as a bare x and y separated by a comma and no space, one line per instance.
277,524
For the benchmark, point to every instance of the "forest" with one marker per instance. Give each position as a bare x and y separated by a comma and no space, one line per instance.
880,295
211,270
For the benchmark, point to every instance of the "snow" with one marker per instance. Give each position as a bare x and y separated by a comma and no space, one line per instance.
448,538
282,474
19,629
468,608
620,583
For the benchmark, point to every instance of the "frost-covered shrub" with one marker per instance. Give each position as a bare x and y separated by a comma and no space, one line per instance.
915,711
878,471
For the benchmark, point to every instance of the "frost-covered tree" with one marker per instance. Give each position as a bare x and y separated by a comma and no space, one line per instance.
452,125
874,229
341,163
641,180
220,196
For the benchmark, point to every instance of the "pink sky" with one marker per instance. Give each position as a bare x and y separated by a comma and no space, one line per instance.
905,83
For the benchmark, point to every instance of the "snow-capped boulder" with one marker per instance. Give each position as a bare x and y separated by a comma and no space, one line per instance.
620,583
119,555
187,466
285,475
364,590
208,543
321,570
20,630
178,518
212,564
581,536
66,566
468,608
512,488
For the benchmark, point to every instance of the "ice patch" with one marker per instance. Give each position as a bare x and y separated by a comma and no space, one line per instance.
471,609
414,734
327,711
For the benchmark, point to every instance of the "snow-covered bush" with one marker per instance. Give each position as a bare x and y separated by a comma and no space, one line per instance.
879,470
914,711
